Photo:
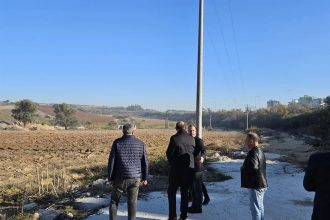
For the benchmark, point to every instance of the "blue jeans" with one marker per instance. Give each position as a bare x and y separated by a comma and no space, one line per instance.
257,203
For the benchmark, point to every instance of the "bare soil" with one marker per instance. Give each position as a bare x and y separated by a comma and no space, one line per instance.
25,153
294,149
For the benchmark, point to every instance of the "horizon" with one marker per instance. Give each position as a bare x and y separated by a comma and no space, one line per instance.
251,108
115,54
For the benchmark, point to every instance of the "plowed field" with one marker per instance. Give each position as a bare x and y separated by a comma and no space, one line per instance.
22,153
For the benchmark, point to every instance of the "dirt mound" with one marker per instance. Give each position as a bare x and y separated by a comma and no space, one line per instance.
42,127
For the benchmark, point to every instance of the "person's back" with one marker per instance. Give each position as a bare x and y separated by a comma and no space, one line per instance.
129,153
317,179
127,170
181,160
180,152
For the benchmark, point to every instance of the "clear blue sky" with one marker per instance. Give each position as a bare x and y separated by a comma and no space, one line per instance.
118,53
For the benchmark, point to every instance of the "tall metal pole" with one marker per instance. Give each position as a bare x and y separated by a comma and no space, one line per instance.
200,70
247,117
247,120
166,120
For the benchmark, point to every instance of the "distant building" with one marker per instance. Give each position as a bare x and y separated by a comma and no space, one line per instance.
317,102
272,103
306,99
311,101
294,102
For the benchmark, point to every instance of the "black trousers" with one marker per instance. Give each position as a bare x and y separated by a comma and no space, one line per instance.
197,192
206,195
321,208
183,180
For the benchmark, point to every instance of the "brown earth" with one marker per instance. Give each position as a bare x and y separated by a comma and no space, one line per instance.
81,115
294,149
24,154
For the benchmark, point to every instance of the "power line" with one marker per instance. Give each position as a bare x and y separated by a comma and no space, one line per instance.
221,33
235,44
230,62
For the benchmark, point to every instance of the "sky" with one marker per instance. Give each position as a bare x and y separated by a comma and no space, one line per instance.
118,53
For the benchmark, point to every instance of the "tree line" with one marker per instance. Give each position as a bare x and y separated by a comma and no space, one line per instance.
25,111
295,117
298,118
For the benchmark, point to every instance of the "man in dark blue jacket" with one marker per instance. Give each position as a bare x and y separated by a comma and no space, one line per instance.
127,170
317,179
181,160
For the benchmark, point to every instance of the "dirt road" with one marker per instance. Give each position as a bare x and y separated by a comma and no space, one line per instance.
295,150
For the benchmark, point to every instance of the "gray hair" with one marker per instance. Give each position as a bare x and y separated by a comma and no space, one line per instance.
129,128
253,136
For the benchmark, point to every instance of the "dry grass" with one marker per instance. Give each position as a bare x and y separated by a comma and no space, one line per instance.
6,107
5,115
31,159
224,142
81,115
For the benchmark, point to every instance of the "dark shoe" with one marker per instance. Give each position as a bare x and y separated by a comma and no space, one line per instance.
194,210
206,201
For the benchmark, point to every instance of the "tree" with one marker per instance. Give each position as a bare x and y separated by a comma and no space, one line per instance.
64,115
24,111
134,108
327,101
113,125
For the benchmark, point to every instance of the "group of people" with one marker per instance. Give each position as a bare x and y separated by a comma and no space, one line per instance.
128,169
185,154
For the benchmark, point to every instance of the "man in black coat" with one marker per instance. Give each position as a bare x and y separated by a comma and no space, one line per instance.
197,189
317,179
253,175
181,160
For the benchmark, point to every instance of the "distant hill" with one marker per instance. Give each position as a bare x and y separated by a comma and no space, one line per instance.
81,115
45,113
100,114
5,113
119,111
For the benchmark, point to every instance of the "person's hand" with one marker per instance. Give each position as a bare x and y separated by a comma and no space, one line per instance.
143,182
202,160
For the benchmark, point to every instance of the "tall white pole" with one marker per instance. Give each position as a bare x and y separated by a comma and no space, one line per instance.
247,120
247,117
199,114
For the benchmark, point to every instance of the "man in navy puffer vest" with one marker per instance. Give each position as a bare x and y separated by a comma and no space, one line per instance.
127,170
